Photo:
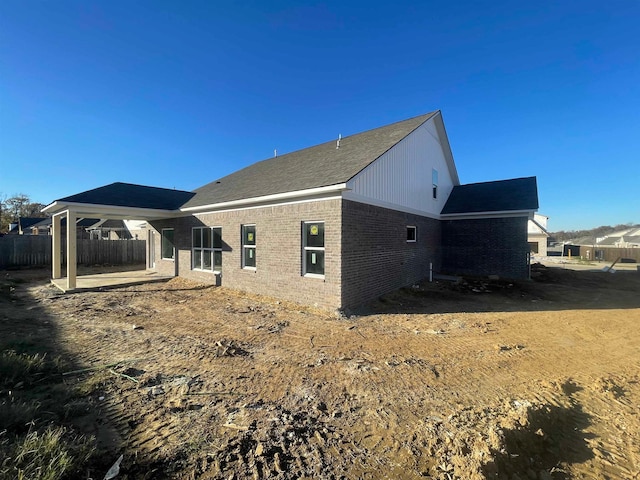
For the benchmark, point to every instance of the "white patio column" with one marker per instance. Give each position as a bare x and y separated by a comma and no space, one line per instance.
71,250
55,247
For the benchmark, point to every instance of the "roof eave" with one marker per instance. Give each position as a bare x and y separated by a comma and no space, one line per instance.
245,202
446,150
90,210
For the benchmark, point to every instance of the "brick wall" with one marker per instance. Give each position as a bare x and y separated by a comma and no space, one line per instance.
278,270
496,246
376,257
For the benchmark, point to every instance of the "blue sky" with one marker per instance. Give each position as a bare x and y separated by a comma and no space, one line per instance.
176,94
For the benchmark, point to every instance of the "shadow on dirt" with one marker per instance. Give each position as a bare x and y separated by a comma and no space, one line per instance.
550,289
44,412
553,436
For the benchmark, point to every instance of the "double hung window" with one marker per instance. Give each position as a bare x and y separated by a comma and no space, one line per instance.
313,248
249,246
167,249
206,253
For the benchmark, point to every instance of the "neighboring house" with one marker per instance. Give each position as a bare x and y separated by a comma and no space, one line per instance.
334,225
95,229
628,238
23,225
118,230
44,227
538,235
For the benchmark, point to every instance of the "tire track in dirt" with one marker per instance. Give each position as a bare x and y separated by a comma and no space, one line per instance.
398,395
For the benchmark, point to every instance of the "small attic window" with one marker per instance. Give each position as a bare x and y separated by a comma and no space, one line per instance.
411,233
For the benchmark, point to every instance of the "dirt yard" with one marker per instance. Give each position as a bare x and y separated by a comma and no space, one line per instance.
468,380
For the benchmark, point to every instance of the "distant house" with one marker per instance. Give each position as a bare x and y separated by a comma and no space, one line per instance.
23,225
118,230
94,228
537,234
628,238
333,225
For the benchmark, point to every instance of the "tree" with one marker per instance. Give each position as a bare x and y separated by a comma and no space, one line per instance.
19,205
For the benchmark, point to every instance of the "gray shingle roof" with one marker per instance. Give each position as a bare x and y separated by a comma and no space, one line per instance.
130,195
319,166
498,196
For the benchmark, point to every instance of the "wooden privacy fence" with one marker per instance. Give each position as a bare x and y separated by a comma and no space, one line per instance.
610,254
35,250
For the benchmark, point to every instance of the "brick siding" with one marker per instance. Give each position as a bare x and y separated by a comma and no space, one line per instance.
278,251
496,246
366,250
376,257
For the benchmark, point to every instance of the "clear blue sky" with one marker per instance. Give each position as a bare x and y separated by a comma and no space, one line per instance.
178,93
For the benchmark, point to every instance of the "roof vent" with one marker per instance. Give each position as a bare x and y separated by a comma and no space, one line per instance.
338,142
275,152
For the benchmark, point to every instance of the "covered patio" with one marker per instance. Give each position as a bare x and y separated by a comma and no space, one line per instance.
117,201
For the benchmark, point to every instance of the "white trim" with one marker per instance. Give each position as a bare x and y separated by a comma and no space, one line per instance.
481,215
313,275
89,210
243,246
202,249
349,195
270,198
305,249
415,233
267,205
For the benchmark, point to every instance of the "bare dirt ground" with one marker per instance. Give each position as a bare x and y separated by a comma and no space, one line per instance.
468,380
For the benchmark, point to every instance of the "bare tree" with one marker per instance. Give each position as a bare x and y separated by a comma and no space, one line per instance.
19,205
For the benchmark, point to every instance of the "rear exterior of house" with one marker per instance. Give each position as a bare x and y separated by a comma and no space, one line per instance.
337,224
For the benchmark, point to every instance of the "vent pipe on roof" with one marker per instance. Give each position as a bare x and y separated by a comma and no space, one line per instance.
338,142
275,152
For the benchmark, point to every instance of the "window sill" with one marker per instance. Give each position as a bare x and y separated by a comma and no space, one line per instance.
253,269
214,272
169,259
313,275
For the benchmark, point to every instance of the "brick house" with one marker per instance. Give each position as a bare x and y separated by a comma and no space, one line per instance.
333,225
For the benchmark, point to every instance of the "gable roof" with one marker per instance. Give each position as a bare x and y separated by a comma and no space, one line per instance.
130,195
500,196
314,167
25,223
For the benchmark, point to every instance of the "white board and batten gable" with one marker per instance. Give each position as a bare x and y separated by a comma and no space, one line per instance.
403,177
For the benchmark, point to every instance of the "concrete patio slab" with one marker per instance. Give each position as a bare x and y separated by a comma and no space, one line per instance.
110,280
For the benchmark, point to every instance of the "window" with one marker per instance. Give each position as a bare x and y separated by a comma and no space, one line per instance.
434,181
166,244
206,251
411,233
313,248
249,246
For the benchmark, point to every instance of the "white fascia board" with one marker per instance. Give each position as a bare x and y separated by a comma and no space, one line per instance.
446,148
266,199
483,215
349,195
89,210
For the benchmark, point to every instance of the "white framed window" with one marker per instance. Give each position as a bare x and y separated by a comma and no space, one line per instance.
167,248
434,181
249,247
411,233
206,249
313,249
